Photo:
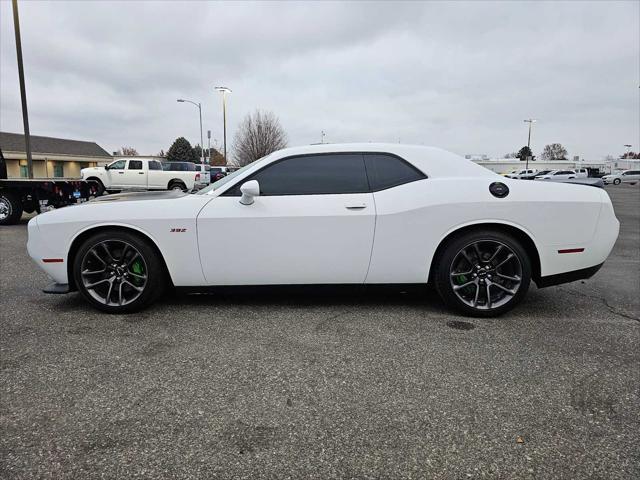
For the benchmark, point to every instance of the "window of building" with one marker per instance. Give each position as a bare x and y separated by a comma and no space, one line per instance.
24,171
58,169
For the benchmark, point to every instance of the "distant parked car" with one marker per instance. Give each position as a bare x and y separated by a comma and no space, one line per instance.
179,166
522,174
563,175
205,173
219,172
628,176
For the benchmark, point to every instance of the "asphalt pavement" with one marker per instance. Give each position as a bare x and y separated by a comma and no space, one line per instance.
316,384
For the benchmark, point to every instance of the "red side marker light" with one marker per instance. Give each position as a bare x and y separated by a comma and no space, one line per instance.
53,260
571,250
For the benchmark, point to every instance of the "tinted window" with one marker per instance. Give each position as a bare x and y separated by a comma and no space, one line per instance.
153,165
135,165
312,175
386,171
180,166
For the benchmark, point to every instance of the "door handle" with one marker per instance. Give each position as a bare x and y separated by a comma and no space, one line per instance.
356,206
121,173
140,173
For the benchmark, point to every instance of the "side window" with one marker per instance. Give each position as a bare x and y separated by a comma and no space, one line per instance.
153,165
387,171
119,165
135,165
311,175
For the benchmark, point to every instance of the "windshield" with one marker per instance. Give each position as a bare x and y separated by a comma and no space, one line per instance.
224,180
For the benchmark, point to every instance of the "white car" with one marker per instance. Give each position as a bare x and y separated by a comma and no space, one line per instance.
628,176
563,174
523,174
333,214
140,174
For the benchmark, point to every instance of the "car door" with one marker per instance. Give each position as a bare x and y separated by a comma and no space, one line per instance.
156,179
631,176
134,175
313,223
116,173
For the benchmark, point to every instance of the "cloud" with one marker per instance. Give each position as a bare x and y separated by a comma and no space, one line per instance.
460,75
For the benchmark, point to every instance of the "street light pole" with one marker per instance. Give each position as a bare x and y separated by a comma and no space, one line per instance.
530,121
182,100
224,91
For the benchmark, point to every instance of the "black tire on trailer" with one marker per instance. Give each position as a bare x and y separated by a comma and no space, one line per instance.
119,272
482,273
10,208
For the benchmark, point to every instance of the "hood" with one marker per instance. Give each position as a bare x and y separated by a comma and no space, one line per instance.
137,196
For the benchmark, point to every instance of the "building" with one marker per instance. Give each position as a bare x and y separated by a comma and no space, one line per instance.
52,157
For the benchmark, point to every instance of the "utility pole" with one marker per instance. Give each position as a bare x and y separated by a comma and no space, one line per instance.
530,121
182,100
23,91
209,145
224,91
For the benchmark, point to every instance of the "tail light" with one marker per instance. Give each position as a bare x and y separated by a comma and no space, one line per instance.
197,177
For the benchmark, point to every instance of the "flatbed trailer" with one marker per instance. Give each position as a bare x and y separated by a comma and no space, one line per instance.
30,195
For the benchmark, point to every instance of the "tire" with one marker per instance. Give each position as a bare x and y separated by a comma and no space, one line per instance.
616,181
10,208
177,186
463,282
126,279
100,186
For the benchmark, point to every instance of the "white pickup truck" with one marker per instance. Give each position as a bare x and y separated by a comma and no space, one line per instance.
140,174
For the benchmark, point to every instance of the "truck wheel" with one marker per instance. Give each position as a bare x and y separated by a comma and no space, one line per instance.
10,208
99,185
119,272
177,186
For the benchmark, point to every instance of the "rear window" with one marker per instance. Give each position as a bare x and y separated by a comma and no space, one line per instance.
388,171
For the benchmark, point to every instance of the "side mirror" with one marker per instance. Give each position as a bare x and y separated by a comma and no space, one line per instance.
106,167
249,190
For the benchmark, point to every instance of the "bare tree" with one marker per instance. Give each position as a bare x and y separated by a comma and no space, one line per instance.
258,135
128,152
554,151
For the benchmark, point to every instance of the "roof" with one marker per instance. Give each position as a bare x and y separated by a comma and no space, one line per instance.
14,142
435,162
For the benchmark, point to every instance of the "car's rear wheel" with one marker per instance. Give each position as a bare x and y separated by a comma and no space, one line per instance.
483,273
119,272
616,181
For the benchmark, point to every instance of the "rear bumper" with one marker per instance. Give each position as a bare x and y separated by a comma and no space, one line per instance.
568,277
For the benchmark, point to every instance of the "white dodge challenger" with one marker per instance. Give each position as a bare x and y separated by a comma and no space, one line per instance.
333,214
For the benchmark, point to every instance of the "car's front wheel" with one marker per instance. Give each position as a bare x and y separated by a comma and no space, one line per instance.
483,273
616,181
118,272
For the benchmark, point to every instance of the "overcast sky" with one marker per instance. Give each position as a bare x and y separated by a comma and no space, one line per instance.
457,75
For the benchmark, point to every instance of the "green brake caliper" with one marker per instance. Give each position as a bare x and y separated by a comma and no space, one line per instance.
137,267
461,279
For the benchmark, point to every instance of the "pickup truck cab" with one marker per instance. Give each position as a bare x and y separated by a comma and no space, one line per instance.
140,174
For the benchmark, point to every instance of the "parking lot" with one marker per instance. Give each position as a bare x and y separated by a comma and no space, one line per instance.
323,384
